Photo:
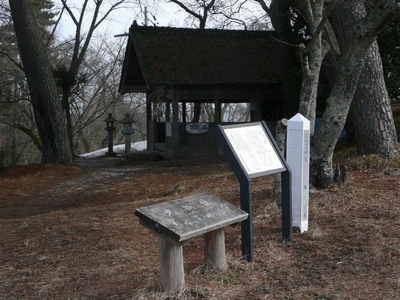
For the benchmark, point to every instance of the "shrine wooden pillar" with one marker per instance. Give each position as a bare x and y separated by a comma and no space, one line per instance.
217,117
175,125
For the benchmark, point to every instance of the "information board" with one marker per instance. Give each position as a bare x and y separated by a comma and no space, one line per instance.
254,149
252,152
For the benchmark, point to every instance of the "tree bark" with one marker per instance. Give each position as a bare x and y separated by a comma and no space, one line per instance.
43,90
375,130
334,117
371,110
350,64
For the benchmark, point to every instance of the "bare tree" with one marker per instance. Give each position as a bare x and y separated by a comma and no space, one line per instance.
350,62
93,93
68,73
96,94
350,65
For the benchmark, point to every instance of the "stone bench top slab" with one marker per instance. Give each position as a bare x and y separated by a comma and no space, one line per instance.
184,218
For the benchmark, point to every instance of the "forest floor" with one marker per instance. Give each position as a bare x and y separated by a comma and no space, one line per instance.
69,232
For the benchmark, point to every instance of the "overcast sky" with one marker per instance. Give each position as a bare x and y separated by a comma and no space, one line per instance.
121,19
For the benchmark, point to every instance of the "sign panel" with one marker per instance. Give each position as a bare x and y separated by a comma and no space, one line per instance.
254,149
252,152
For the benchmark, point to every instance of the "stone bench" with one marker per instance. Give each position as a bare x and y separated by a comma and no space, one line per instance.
179,220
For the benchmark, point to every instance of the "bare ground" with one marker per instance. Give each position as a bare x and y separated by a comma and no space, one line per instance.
71,233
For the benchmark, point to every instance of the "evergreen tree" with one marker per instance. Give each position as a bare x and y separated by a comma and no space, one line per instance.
389,41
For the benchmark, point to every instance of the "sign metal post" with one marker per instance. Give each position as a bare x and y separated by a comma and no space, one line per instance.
252,152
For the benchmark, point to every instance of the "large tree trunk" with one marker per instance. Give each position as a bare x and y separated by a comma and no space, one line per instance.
309,87
371,115
375,130
334,117
350,64
67,109
45,99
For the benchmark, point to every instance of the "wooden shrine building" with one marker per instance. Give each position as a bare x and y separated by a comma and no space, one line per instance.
180,68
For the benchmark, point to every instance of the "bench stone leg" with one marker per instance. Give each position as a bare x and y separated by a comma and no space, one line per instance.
171,263
214,249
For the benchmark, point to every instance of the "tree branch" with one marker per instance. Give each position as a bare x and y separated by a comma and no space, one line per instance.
185,8
71,14
320,27
16,63
264,6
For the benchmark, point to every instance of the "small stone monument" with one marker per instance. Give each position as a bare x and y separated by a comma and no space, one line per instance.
179,220
298,159
127,130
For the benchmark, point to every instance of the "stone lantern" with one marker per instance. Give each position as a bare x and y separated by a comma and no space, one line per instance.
127,130
110,127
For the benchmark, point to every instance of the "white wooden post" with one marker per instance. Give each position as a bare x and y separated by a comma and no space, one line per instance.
298,159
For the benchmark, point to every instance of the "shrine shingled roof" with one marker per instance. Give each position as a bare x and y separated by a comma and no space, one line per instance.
181,56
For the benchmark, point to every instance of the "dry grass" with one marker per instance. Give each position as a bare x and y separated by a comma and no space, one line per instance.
369,163
71,233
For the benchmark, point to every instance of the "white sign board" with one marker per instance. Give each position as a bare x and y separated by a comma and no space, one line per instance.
254,149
